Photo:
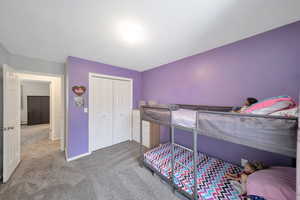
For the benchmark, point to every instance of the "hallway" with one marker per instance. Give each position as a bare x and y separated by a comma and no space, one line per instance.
35,141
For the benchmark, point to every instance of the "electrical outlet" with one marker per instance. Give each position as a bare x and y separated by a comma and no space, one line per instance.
244,162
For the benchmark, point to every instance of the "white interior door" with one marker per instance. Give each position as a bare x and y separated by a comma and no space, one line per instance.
122,110
102,109
298,158
11,122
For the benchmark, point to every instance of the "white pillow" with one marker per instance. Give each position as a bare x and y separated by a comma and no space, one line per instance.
292,112
273,108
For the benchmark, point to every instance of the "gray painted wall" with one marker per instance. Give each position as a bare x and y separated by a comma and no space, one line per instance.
4,54
26,64
23,63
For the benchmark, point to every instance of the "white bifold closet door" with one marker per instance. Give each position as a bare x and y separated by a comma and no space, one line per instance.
102,113
111,106
121,110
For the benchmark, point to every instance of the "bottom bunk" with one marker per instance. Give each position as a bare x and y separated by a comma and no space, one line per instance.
211,172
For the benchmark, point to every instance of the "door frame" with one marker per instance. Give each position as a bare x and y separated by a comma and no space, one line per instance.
91,104
46,77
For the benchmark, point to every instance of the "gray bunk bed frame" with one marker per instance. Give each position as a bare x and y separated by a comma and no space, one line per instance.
206,128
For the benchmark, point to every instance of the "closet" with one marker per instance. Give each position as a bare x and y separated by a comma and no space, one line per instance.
110,111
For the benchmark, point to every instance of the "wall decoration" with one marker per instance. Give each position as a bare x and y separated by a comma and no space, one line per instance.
79,91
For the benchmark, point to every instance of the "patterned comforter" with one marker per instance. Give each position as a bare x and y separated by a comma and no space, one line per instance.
212,184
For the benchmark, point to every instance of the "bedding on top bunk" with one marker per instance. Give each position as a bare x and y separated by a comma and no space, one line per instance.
184,117
212,184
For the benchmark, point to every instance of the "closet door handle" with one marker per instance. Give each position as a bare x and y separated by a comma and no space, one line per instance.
11,128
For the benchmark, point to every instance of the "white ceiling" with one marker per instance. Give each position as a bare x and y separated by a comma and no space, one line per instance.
169,29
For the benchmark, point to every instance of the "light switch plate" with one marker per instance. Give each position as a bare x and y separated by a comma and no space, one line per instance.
85,110
244,162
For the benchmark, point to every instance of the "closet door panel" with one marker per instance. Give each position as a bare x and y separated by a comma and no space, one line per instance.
103,113
122,110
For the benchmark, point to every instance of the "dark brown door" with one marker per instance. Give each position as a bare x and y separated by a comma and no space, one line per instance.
38,108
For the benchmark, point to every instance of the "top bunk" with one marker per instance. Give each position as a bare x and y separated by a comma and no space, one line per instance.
275,134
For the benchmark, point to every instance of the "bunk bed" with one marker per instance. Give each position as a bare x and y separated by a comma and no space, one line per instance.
196,175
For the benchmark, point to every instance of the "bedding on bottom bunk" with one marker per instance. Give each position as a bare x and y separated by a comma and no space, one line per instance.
211,172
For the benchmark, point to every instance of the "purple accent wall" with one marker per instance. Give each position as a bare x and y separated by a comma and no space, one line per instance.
78,74
262,66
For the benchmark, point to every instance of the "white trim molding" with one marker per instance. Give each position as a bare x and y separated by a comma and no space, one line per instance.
109,77
57,99
79,156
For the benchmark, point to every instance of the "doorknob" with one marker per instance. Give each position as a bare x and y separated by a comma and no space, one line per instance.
3,129
10,128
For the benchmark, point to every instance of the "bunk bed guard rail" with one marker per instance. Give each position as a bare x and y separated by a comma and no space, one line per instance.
264,132
161,114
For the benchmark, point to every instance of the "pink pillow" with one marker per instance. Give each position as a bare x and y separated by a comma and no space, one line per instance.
276,183
270,105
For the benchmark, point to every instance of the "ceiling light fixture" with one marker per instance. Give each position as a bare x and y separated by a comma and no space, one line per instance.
131,33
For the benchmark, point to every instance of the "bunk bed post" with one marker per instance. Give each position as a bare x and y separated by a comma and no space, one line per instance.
170,133
195,150
141,139
173,157
172,150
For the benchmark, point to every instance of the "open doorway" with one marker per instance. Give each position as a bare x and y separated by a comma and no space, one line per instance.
11,82
35,114
42,114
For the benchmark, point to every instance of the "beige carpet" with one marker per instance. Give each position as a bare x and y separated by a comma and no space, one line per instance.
109,174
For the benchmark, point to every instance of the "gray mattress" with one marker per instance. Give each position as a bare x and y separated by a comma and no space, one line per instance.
268,133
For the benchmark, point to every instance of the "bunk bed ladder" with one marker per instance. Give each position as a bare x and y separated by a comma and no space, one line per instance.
194,152
195,157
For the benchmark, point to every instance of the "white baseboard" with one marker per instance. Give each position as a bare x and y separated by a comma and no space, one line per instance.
54,138
79,156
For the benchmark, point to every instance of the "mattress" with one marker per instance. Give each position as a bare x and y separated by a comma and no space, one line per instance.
212,184
184,117
181,117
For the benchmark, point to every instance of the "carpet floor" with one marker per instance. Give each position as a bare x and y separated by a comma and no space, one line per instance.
109,174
